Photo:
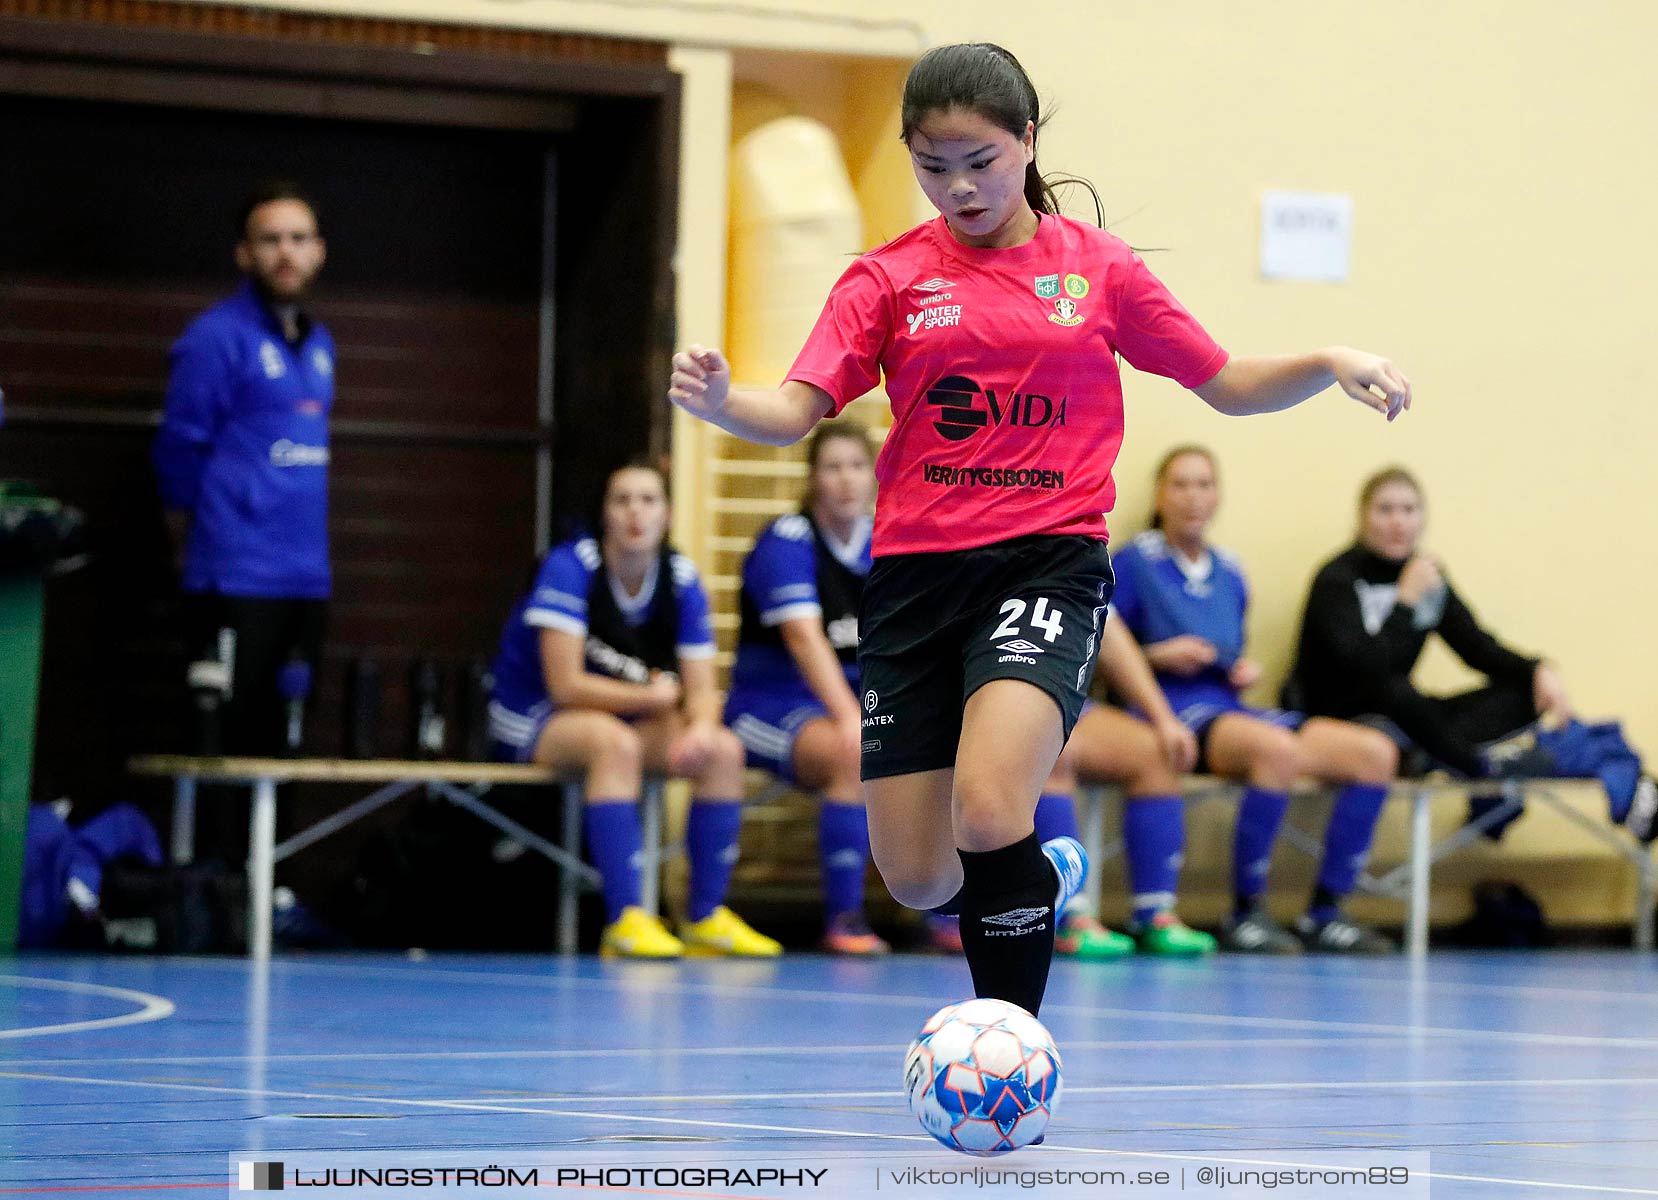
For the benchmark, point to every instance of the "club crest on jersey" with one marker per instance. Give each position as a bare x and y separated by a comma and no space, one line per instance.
1065,312
1076,287
1047,286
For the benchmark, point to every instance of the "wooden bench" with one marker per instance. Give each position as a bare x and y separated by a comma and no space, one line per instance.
463,784
1410,881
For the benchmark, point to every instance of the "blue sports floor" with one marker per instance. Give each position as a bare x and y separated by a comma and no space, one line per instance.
1521,1074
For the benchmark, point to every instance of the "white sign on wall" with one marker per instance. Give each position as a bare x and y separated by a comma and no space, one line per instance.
1306,235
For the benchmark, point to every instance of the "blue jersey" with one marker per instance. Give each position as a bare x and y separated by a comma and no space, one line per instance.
782,581
243,447
614,626
1161,596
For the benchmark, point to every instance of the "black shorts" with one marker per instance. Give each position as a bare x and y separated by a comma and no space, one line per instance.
934,628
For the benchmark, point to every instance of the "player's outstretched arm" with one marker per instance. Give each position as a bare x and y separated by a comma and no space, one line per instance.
701,385
1262,383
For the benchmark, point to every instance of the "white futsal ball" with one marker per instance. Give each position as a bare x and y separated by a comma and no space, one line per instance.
983,1077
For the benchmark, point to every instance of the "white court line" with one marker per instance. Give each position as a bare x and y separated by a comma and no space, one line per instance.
1089,1090
151,1008
884,1048
757,1128
1286,972
1255,972
880,998
1235,1021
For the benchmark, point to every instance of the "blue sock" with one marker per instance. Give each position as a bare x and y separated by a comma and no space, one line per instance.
711,845
1056,816
617,847
843,845
1259,815
1154,839
1347,843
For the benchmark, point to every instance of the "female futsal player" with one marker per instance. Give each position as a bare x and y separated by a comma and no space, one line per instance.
794,686
606,667
1186,601
997,327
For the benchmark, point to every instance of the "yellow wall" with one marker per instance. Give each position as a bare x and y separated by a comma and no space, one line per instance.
1502,252
1497,152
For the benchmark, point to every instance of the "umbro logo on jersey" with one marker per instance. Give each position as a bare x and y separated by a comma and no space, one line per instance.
935,284
1021,646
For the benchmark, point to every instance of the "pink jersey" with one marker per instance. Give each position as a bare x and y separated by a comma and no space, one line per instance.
1001,366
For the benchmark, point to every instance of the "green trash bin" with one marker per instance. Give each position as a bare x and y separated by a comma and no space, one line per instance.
36,533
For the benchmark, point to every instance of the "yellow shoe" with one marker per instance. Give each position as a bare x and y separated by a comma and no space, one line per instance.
637,934
722,933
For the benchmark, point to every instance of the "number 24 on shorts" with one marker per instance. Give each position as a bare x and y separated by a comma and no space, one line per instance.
1043,617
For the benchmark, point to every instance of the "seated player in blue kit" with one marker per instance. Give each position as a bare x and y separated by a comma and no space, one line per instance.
606,668
1144,756
1185,601
794,699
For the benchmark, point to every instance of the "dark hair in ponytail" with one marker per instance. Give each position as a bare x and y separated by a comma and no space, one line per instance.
982,77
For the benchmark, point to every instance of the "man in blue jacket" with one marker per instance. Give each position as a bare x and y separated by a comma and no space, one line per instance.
242,463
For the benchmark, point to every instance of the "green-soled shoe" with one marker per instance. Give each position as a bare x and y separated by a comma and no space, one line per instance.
1167,937
1085,939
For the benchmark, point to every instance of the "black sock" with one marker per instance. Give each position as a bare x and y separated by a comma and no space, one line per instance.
1007,921
1243,905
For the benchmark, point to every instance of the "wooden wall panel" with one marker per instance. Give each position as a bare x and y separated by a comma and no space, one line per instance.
422,36
118,227
132,130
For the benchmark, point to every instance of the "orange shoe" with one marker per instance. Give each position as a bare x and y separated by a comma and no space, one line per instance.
850,934
943,933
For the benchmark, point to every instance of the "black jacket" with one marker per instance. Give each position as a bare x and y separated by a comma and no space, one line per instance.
1356,638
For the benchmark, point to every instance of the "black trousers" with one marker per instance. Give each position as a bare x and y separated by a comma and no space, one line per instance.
266,634
1453,729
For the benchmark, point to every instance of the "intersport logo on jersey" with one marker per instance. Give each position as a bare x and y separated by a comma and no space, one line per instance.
964,408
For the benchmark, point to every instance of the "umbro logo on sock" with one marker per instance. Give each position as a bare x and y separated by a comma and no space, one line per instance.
1016,922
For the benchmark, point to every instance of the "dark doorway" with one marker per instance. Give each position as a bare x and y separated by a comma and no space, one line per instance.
497,284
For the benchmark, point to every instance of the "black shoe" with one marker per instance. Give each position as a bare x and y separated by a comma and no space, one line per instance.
1255,932
1338,935
1483,806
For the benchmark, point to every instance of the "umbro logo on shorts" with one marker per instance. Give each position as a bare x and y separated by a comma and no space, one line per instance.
1021,646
